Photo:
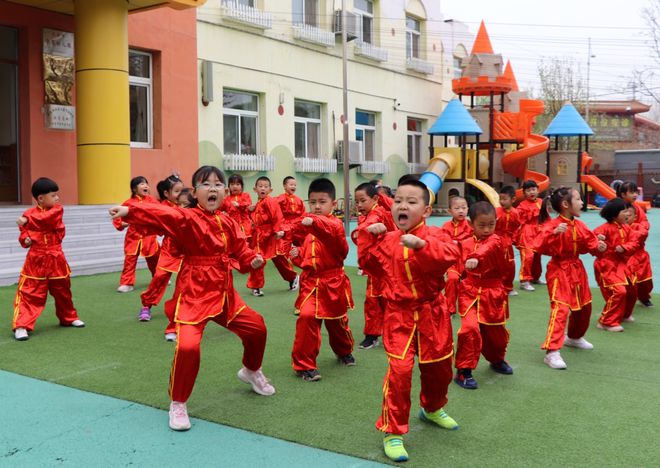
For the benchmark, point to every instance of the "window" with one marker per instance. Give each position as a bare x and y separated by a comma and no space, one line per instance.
413,36
140,98
365,11
306,12
458,72
307,121
562,167
414,141
240,115
365,133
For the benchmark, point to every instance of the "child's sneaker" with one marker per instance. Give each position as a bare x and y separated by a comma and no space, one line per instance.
179,420
170,336
347,360
296,311
553,360
311,375
257,292
502,367
526,286
613,328
77,323
21,334
370,341
513,292
539,281
394,449
647,303
258,380
629,319
440,418
580,343
464,379
145,314
124,288
293,285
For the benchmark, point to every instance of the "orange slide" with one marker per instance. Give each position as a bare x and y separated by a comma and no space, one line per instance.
515,163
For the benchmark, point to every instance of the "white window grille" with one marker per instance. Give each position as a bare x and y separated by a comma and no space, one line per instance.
140,80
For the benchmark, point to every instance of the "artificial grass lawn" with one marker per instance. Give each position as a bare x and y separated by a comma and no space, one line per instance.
602,411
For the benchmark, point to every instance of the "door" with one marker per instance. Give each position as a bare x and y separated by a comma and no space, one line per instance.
9,176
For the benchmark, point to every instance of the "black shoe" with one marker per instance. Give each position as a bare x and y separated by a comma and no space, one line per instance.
257,292
309,375
370,341
347,360
502,367
647,303
464,379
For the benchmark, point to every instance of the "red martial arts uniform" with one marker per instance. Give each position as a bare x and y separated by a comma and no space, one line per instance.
416,321
482,304
168,262
457,231
612,274
204,288
507,228
325,290
641,261
45,270
530,261
136,244
374,302
293,209
385,201
267,220
568,285
239,213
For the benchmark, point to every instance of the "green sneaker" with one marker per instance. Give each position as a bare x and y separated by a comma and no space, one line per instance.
394,449
440,418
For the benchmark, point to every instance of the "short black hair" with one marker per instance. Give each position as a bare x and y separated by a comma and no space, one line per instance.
204,172
235,179
529,184
135,181
322,185
481,208
287,178
416,183
454,199
612,208
370,188
43,185
262,178
166,185
626,187
406,177
508,190
453,192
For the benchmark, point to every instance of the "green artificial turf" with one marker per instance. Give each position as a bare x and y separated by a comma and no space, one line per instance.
602,411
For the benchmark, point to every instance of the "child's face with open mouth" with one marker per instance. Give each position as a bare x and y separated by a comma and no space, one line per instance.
210,193
409,207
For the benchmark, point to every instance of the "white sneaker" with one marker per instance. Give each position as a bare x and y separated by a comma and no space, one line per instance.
295,284
179,420
257,292
78,323
629,319
614,328
21,334
258,380
513,292
539,281
553,359
526,286
577,343
124,288
170,336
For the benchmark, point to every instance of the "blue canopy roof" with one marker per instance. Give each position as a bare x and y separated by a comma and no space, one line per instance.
455,120
568,122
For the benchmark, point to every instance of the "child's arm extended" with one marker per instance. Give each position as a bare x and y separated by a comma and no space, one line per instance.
153,219
328,231
435,254
44,220
24,236
485,257
239,249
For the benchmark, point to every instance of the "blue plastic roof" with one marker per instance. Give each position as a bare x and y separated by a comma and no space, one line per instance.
568,122
455,120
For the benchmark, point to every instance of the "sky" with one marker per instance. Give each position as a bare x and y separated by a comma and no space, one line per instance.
524,31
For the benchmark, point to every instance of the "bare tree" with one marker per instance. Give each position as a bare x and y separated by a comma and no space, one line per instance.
645,79
560,81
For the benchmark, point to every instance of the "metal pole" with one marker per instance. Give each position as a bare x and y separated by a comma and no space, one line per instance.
344,63
586,111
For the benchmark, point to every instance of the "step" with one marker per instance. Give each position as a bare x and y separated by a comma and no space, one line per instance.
12,246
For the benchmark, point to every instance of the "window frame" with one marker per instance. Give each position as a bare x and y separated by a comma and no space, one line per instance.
147,83
366,129
414,135
305,16
240,113
305,121
370,16
410,36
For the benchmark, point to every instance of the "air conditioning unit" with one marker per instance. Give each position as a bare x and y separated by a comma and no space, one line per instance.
354,153
352,24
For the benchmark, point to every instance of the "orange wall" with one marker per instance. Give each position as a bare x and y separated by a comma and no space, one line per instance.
171,36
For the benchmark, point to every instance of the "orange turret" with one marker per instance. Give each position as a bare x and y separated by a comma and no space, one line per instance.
508,72
482,43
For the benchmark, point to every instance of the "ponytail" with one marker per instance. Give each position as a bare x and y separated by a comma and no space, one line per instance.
555,198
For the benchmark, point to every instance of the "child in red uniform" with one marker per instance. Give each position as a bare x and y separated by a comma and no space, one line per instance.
483,299
639,263
643,275
210,242
45,269
293,209
267,220
412,261
457,229
185,198
507,228
237,204
168,190
565,238
366,202
528,215
325,291
611,270
136,244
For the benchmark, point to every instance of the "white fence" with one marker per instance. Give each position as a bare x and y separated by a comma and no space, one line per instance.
374,167
418,65
249,162
254,17
312,34
321,166
370,51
